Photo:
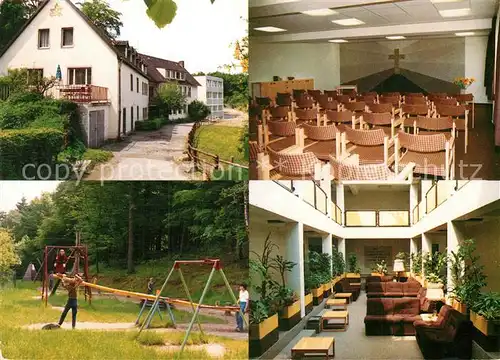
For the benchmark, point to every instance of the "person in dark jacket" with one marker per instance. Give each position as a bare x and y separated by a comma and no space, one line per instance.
71,286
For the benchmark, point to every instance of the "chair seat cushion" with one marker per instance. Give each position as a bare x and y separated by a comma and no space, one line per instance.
426,163
322,149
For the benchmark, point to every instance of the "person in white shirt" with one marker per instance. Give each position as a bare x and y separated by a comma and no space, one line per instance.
243,303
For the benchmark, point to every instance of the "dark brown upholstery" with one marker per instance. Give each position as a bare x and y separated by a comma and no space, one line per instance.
283,99
386,316
345,286
392,289
298,92
448,337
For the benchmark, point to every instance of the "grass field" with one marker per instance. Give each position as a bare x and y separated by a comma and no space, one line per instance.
19,307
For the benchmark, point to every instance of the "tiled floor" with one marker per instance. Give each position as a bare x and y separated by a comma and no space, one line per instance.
353,344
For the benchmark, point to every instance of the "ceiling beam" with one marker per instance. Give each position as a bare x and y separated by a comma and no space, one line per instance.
381,31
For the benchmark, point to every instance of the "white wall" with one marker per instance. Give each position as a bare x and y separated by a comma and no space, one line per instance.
216,105
358,247
320,62
131,98
475,62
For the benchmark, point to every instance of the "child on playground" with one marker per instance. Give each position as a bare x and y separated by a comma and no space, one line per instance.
60,264
151,285
71,285
243,303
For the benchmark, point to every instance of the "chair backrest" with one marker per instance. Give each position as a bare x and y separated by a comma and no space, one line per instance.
339,116
415,100
391,94
377,118
413,95
464,97
415,109
293,164
298,92
306,114
325,103
343,98
422,143
314,93
304,101
279,112
369,99
283,99
331,93
435,124
320,133
379,306
365,137
282,128
406,306
450,110
370,93
394,100
355,106
381,108
447,101
345,171
263,101
254,148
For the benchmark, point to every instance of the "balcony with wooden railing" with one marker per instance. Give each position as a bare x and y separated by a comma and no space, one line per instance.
377,218
83,93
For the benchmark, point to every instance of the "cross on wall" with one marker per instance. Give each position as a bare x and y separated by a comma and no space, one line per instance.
396,57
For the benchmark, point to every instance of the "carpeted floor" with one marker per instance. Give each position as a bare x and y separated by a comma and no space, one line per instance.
353,344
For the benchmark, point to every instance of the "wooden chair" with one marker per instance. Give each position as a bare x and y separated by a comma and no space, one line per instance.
372,146
344,99
278,135
468,101
460,116
326,103
409,112
324,140
290,163
393,99
283,99
314,93
341,118
279,113
356,107
368,99
384,108
298,93
304,102
331,93
428,126
414,100
432,154
385,121
349,168
301,116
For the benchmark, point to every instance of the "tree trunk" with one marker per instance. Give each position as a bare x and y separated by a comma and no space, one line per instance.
130,254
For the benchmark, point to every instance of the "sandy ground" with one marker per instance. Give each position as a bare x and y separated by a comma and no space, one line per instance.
233,117
148,155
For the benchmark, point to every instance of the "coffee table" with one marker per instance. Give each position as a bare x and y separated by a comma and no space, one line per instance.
346,296
333,315
314,345
336,304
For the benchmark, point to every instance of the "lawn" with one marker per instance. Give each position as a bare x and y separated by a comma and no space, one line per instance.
18,307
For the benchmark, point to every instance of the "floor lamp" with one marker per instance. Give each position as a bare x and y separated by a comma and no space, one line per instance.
399,267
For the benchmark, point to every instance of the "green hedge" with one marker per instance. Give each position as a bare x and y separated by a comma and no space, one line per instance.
153,124
34,147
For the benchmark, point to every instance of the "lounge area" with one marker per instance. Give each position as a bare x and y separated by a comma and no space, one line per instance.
350,286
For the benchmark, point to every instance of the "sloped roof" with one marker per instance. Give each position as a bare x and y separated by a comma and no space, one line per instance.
97,30
153,63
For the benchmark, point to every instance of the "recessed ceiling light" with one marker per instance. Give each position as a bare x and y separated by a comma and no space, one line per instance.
338,41
469,33
269,29
398,37
348,22
320,12
455,12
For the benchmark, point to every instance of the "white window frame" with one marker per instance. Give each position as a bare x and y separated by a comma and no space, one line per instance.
87,82
39,38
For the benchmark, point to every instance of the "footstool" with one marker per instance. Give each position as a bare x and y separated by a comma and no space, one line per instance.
336,304
347,296
314,346
331,315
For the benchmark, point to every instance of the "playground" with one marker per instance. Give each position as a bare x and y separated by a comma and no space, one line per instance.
110,320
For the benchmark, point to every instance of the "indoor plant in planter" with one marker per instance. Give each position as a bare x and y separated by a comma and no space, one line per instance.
380,268
308,297
463,83
467,276
416,265
353,267
314,282
434,264
485,315
320,264
338,266
286,300
263,330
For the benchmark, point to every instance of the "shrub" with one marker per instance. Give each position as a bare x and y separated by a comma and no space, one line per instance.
237,101
29,146
97,155
198,111
72,153
147,125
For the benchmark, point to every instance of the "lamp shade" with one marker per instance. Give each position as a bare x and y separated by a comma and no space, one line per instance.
399,265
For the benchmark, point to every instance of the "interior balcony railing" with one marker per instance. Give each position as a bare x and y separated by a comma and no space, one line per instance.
377,218
438,193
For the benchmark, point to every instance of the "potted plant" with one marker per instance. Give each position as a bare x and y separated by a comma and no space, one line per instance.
353,267
485,315
308,298
380,268
467,276
263,330
338,266
434,264
316,288
287,302
416,265
463,83
320,265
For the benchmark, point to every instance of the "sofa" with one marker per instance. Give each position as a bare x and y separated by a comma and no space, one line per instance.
370,279
344,286
448,337
392,289
391,316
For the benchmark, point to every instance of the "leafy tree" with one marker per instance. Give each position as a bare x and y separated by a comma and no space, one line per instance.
21,81
13,14
197,110
162,12
103,16
8,256
241,53
169,98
